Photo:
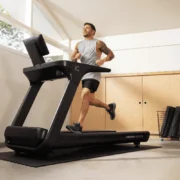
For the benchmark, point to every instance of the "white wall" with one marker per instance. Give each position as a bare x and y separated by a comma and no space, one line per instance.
144,52
14,86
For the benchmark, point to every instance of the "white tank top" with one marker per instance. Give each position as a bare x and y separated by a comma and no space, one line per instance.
87,48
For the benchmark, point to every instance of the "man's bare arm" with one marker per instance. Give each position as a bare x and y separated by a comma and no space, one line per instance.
103,48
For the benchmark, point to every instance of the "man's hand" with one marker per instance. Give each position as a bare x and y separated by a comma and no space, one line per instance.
78,56
75,55
100,62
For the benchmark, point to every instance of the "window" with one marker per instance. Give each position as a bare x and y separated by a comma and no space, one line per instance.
18,9
13,37
10,36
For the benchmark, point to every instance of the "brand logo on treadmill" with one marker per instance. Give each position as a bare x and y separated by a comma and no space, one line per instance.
129,137
135,136
77,68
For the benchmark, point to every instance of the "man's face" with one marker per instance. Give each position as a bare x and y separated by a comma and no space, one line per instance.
88,31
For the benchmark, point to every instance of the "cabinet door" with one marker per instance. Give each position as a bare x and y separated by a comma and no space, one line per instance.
159,92
126,92
95,119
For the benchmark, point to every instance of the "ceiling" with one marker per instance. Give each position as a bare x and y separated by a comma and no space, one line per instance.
116,17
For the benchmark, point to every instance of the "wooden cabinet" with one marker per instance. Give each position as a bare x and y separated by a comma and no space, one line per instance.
126,92
95,119
159,92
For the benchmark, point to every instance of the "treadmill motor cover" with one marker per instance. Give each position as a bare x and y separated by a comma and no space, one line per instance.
26,136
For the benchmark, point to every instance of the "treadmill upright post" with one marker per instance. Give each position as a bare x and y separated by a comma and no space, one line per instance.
62,110
26,104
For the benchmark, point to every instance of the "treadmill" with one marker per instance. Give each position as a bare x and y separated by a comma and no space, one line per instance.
37,140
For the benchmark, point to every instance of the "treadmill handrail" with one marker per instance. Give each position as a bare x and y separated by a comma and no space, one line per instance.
74,66
62,66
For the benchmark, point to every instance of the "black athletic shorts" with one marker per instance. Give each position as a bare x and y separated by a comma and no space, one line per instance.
91,84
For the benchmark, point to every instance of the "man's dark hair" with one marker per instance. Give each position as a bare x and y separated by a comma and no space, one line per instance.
92,26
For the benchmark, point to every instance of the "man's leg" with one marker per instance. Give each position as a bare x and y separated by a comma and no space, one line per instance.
96,102
110,108
84,105
88,98
77,127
